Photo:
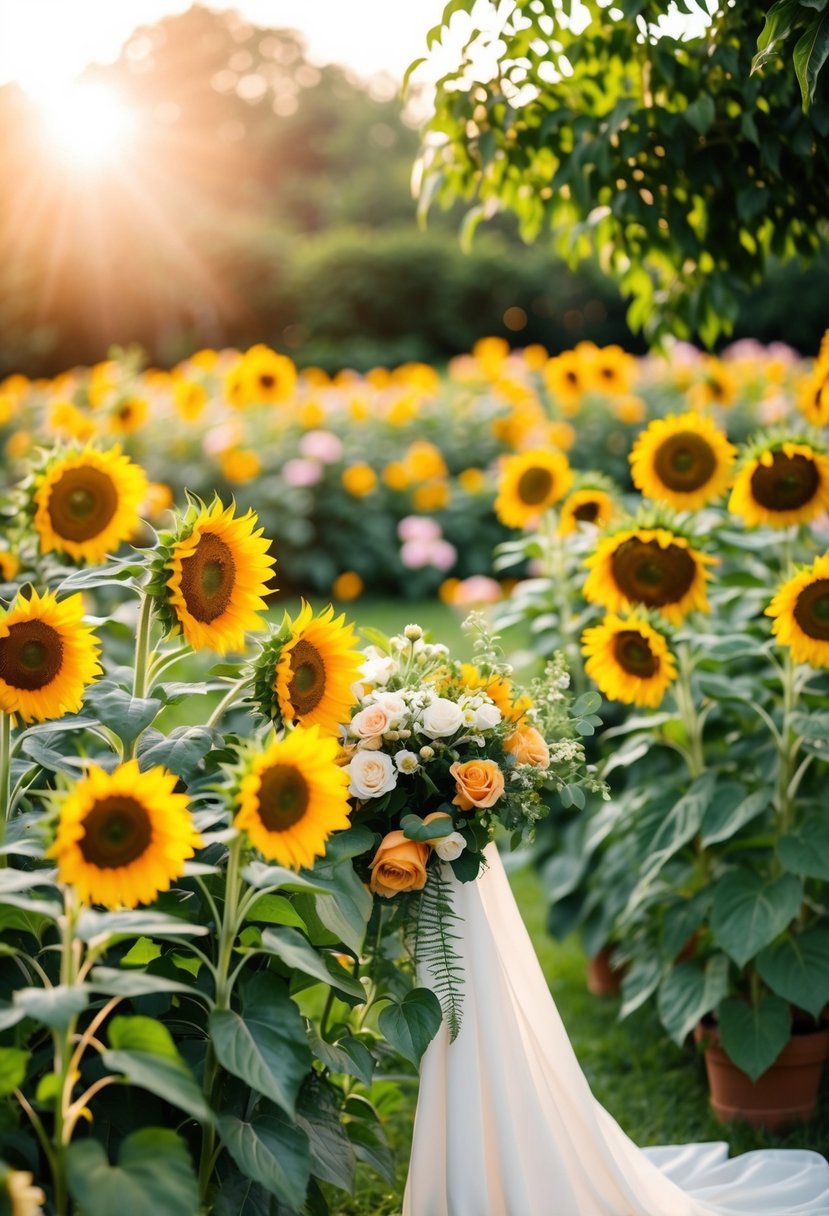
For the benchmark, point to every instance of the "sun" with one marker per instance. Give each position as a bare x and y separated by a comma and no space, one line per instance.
87,124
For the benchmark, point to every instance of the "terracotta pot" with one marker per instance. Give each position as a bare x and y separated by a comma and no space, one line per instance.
785,1094
603,979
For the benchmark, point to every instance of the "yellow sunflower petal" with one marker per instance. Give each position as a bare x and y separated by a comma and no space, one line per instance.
124,837
293,797
529,484
784,484
800,614
586,506
629,660
652,567
684,460
316,670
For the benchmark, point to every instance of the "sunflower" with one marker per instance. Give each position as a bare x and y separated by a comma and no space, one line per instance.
123,837
268,378
129,415
567,377
9,565
529,484
653,567
613,370
306,672
87,502
589,505
216,576
800,612
629,660
813,397
781,483
293,796
684,460
47,657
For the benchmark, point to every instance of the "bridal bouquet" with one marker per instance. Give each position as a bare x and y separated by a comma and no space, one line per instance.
442,754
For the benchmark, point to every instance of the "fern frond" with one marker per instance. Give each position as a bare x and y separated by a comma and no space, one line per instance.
433,946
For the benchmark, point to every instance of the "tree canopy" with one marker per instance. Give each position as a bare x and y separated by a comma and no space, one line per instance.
684,164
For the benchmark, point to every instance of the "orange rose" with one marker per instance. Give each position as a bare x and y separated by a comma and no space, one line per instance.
528,747
480,783
399,865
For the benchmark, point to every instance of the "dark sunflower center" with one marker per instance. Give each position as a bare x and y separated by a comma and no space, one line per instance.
685,462
82,503
571,378
647,574
633,653
788,483
117,831
267,380
31,656
307,685
125,412
283,797
812,610
607,373
587,512
534,486
208,577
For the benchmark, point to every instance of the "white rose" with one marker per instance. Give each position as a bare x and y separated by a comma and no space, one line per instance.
487,716
441,718
407,762
378,670
450,847
393,704
372,774
370,722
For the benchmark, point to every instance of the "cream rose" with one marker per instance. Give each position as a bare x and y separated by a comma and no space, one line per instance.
528,746
393,704
487,716
449,847
378,670
370,723
399,865
372,774
441,719
480,783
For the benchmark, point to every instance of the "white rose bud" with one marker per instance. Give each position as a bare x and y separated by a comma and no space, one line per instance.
441,719
426,753
450,847
487,716
372,774
407,762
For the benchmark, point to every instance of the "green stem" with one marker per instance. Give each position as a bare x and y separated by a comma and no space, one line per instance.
5,774
788,747
555,566
684,694
63,1061
224,987
142,646
227,700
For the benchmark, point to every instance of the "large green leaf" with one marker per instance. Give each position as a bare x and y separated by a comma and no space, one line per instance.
806,850
731,811
681,824
410,1025
754,1035
167,1079
348,1055
138,922
639,982
332,1157
347,907
265,1045
181,751
370,1147
688,992
275,910
13,1062
133,982
55,1007
797,968
810,54
272,1151
297,953
779,22
154,1174
127,716
750,911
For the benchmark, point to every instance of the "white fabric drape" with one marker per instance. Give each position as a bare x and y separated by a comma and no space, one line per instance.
506,1124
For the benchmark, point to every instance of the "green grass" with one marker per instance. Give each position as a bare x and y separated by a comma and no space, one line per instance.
655,1090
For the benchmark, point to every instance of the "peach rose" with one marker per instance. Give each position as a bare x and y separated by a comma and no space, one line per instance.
480,783
399,865
371,722
528,746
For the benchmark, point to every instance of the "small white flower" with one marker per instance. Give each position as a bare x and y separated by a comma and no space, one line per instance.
427,753
450,847
413,632
372,774
407,762
487,716
378,669
441,719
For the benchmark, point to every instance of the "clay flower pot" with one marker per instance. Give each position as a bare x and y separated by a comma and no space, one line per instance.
785,1094
603,979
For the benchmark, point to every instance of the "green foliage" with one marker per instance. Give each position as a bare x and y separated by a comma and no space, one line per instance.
434,948
666,159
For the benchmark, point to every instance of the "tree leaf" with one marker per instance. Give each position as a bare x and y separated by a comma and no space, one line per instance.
154,1174
810,54
753,1036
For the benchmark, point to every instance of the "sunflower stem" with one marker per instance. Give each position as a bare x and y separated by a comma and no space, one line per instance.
63,1059
688,712
227,700
5,772
556,569
142,646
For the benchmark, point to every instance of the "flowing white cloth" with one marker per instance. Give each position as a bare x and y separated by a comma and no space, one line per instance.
506,1124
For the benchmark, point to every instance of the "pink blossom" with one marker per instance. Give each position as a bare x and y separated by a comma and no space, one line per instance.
302,472
478,589
443,555
322,445
219,438
419,527
415,554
